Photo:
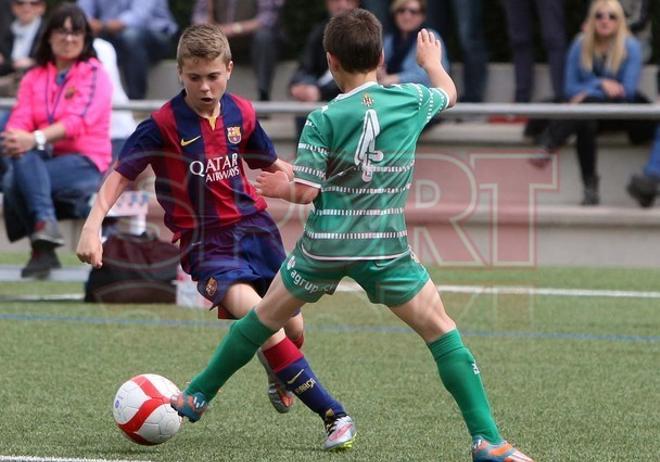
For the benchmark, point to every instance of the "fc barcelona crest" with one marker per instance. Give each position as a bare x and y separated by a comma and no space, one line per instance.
234,134
211,287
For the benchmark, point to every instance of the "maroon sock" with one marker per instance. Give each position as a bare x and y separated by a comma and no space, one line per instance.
298,341
282,354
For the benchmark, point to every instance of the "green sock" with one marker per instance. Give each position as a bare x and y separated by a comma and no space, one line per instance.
461,377
235,350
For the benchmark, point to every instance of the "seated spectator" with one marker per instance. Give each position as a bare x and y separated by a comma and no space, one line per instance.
400,47
312,80
140,31
469,26
603,66
638,18
645,187
19,44
521,27
241,19
122,123
56,138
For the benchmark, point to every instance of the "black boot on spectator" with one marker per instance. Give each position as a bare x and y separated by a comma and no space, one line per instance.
591,195
643,189
46,234
41,262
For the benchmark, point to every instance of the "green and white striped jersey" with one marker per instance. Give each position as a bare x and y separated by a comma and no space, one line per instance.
359,150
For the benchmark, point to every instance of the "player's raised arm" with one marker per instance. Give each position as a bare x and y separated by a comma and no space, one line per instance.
89,248
429,57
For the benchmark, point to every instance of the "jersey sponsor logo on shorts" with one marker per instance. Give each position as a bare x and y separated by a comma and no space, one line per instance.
185,143
308,286
234,134
475,369
211,287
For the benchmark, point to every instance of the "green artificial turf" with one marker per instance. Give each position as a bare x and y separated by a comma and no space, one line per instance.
570,378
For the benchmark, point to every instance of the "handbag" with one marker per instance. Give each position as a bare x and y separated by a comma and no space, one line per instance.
136,269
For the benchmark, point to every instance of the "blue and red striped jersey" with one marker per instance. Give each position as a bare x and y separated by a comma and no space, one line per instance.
200,178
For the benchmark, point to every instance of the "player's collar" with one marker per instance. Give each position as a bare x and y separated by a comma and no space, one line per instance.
356,90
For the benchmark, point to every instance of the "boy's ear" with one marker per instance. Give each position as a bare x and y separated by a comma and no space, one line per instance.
381,60
230,67
333,63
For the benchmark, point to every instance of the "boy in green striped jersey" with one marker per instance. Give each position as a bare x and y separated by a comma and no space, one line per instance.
355,162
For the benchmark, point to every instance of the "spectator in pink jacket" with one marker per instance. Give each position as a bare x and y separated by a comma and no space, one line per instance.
57,138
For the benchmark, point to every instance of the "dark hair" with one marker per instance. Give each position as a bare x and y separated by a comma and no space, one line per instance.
355,38
57,18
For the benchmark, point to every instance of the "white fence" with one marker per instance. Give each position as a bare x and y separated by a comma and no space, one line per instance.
531,110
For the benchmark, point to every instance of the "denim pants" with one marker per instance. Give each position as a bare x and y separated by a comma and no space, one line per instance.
468,15
520,24
40,187
652,167
137,48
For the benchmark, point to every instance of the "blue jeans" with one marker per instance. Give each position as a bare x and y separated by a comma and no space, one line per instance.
469,23
551,16
4,163
40,187
137,48
652,167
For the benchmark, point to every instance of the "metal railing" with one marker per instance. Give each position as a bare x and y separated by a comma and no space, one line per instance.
462,110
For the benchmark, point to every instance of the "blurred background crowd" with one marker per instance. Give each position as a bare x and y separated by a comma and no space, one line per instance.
68,62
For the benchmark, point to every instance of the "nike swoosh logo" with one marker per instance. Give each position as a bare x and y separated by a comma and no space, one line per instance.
187,142
295,377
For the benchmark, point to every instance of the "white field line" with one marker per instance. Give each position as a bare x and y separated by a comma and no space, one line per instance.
59,459
512,290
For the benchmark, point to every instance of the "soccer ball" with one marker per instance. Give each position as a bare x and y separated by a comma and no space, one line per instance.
142,409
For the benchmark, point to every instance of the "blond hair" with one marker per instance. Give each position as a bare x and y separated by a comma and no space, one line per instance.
617,49
206,41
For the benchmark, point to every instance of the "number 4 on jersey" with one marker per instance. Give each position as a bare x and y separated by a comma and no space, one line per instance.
366,152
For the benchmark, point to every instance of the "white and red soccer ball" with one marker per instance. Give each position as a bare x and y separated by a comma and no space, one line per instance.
142,409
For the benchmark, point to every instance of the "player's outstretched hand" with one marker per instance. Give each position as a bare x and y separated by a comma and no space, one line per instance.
429,49
274,184
89,248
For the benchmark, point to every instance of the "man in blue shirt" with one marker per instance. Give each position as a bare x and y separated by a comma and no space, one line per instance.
140,31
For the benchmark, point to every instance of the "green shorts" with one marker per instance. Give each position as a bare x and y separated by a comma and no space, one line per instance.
391,282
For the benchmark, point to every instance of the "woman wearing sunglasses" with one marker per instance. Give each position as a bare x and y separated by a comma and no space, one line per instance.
57,139
603,66
400,46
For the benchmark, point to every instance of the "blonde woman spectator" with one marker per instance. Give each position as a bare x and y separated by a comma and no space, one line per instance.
603,66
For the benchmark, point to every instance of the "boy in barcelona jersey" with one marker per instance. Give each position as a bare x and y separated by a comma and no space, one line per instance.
355,162
196,144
